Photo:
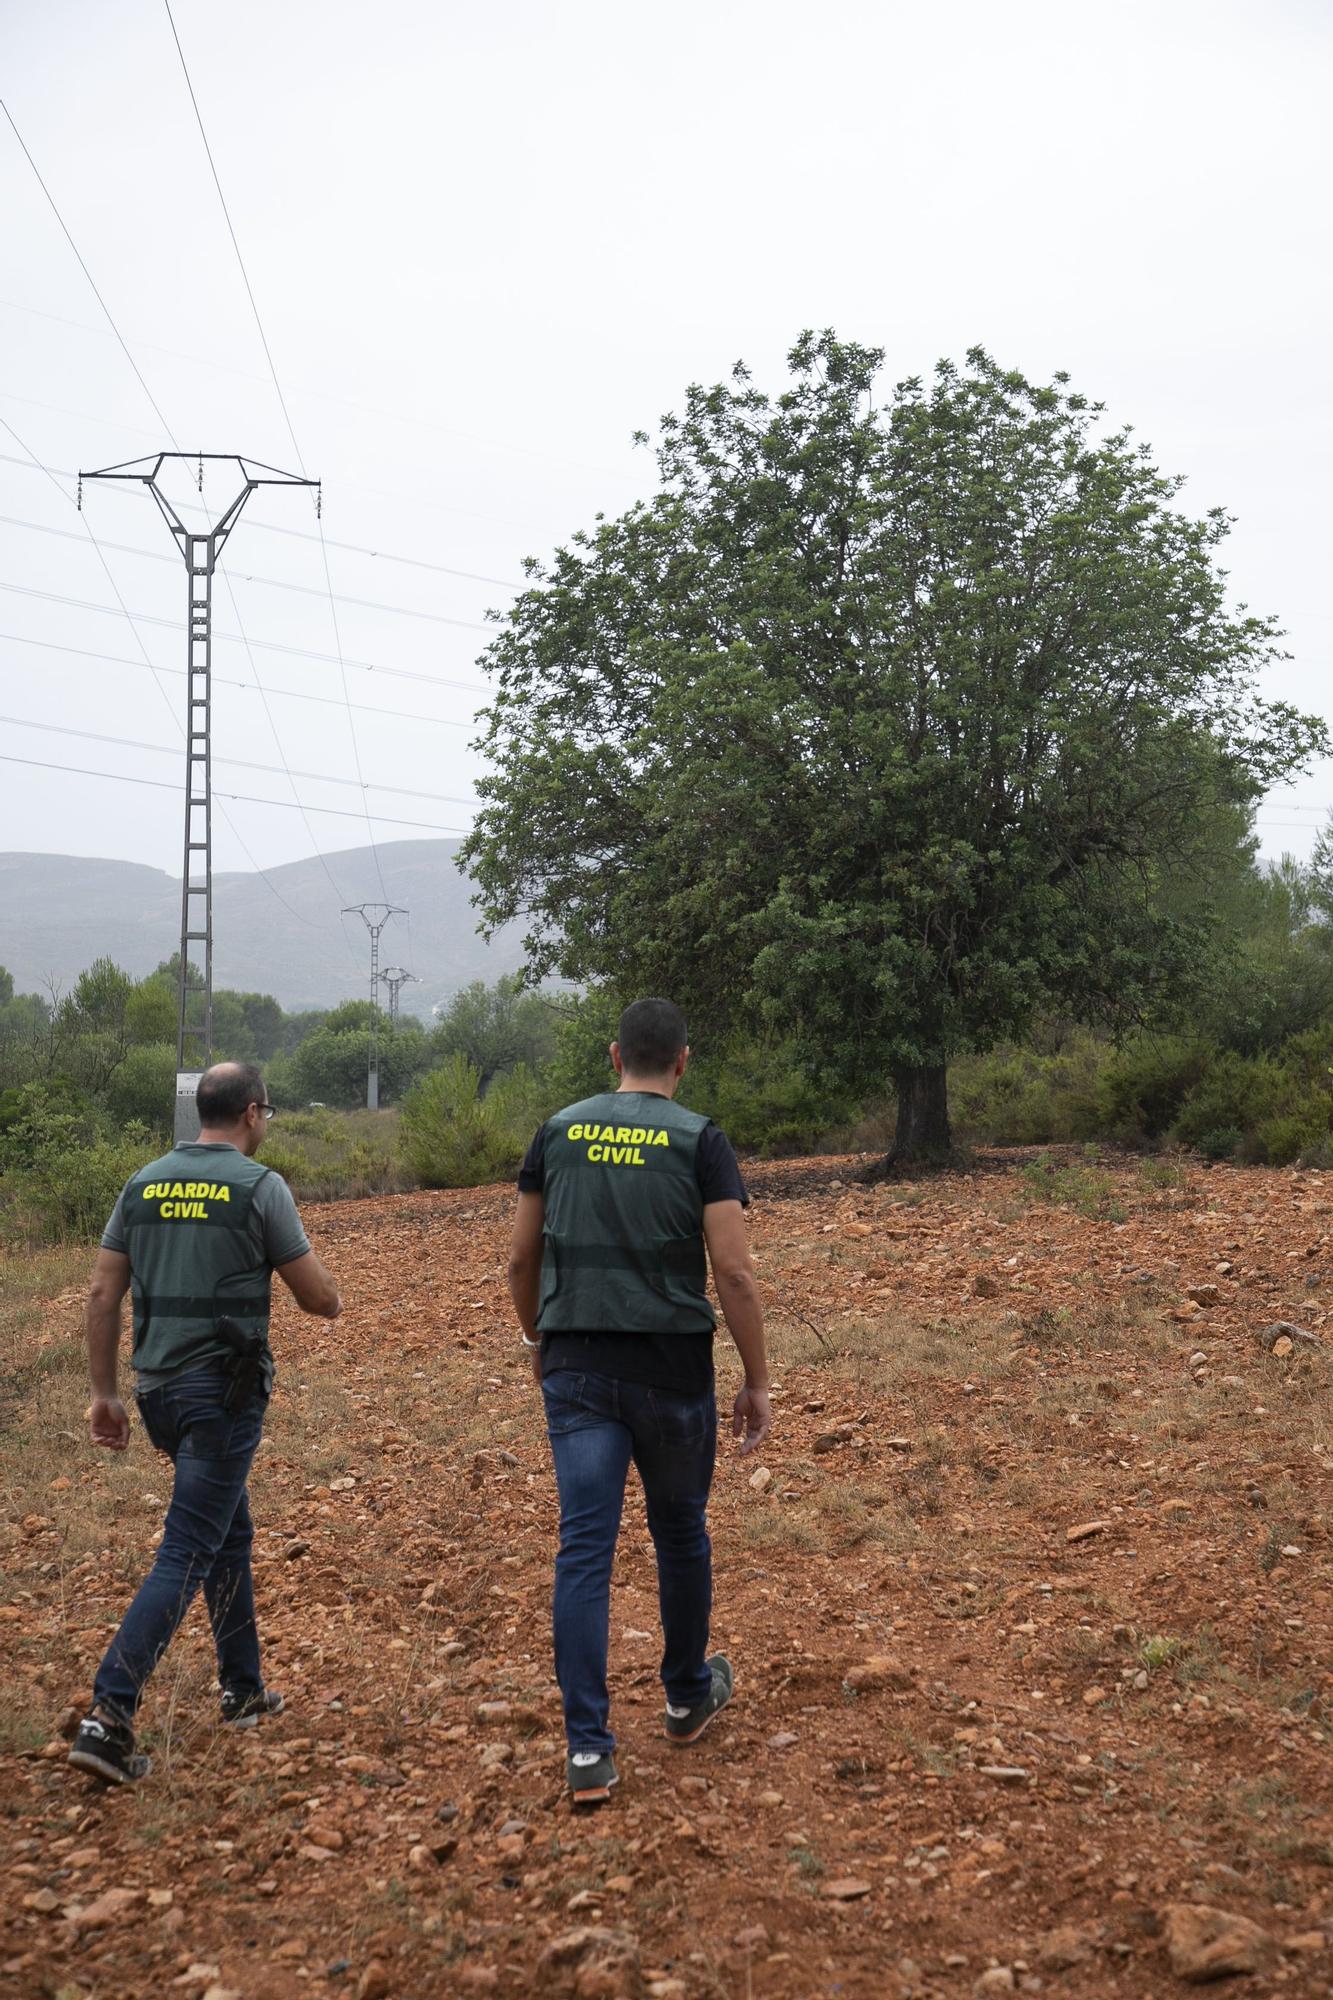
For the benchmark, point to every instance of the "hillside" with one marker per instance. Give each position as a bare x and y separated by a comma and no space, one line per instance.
277,933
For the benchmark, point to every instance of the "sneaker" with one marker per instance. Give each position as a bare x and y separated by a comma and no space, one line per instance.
105,1748
591,1777
242,1711
687,1725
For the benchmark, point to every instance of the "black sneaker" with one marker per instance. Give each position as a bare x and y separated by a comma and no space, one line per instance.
105,1748
688,1725
590,1777
242,1711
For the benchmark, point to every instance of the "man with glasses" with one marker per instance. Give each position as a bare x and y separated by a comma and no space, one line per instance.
195,1238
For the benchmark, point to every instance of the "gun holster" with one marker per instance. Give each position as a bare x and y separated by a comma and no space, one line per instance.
247,1368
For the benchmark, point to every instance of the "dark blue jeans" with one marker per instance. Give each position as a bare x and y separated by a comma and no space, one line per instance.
206,1540
596,1426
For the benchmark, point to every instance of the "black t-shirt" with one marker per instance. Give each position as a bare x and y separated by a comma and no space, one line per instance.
681,1361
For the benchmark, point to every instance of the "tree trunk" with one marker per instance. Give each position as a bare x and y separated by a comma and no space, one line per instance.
922,1138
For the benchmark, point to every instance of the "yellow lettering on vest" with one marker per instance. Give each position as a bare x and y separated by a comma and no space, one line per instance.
150,1192
622,1135
637,1136
574,1132
617,1155
637,1159
661,1139
595,1152
222,1193
165,1208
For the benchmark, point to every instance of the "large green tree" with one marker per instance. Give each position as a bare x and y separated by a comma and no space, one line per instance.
885,721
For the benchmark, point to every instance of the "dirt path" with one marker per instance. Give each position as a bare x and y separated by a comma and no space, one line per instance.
1031,1624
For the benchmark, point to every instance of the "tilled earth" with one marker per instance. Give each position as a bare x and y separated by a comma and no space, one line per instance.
1028,1598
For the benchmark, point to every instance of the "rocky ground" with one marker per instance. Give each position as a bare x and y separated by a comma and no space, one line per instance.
1028,1597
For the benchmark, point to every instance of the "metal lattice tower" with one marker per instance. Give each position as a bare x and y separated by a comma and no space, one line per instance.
374,916
395,977
194,1016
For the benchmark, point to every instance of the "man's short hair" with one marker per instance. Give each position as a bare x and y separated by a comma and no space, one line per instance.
651,1034
226,1091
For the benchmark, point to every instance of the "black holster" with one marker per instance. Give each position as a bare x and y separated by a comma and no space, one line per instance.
248,1367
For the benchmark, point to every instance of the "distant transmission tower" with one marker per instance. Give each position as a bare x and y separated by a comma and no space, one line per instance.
194,1006
374,916
395,977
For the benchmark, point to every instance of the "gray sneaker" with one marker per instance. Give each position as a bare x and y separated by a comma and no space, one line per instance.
590,1777
688,1725
242,1711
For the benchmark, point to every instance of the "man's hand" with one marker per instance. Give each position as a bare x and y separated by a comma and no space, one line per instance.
109,1423
752,1418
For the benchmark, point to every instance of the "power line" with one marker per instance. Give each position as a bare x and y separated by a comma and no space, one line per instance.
245,276
301,534
242,798
415,418
233,639
23,446
237,835
250,687
282,754
102,559
286,415
272,582
237,763
86,272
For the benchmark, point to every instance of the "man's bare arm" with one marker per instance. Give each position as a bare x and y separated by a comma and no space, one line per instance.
311,1284
525,1267
108,1420
738,1292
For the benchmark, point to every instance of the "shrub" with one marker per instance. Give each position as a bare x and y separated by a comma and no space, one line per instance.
142,1088
1143,1086
1030,1096
761,1099
452,1136
336,1155
59,1177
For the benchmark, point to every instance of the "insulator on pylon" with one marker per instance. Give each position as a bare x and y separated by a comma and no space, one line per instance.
319,501
80,492
201,471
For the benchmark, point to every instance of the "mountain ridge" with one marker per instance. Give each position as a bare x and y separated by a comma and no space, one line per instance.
278,932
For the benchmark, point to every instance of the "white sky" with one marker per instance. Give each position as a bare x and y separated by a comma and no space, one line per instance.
489,243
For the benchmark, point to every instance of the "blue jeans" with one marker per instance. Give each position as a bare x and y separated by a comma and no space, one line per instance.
596,1426
206,1540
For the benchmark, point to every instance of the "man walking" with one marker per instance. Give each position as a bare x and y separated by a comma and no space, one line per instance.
618,1197
196,1235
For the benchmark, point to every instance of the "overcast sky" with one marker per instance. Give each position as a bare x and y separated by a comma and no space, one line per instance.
487,244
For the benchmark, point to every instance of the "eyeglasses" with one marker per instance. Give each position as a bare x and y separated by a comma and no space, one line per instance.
269,1110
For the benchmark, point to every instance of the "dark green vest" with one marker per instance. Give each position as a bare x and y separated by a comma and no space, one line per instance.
193,1255
623,1248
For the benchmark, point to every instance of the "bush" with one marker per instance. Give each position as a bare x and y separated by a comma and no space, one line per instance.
452,1136
1030,1096
1145,1083
336,1155
761,1100
59,1176
142,1088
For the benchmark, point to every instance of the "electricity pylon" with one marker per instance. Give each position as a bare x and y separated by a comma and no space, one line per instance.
194,1005
395,977
374,923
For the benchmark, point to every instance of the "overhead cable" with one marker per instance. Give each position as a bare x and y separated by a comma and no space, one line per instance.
250,687
244,798
273,582
233,639
237,763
